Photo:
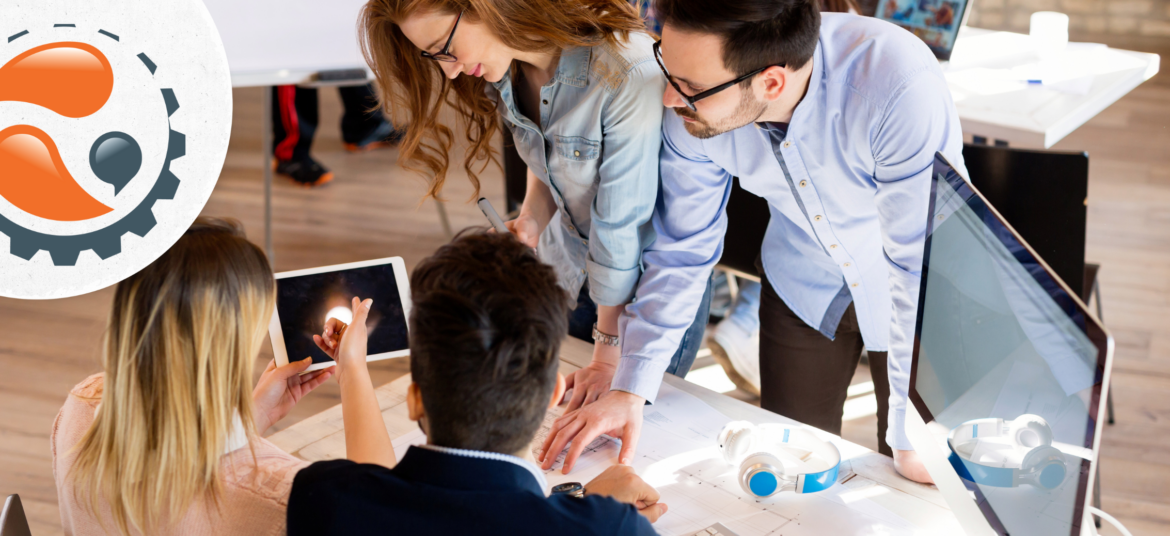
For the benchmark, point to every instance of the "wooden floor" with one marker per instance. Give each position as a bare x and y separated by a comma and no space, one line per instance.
372,210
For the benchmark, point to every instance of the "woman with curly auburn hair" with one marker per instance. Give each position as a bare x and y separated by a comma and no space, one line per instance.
576,83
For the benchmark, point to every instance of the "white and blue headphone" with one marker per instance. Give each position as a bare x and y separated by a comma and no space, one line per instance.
1042,466
760,452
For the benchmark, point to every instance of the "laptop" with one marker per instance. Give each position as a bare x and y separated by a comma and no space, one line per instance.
936,22
1009,373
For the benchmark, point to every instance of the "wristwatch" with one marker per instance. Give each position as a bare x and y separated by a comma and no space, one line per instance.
608,340
572,489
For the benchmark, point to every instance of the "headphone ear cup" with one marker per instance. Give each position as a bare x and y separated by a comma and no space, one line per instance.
736,440
762,475
1045,467
1030,431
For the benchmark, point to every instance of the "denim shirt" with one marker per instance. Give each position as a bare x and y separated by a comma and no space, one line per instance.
602,118
848,188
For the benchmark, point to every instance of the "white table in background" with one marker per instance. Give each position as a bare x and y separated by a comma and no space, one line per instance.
1034,116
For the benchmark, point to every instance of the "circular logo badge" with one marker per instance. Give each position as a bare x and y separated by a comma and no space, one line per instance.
114,125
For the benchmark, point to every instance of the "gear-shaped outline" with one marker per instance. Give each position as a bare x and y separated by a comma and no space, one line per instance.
107,241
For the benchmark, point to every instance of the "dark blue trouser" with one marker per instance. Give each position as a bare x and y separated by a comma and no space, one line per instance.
582,318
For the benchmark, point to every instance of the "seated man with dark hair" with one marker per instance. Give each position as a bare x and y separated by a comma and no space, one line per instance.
486,325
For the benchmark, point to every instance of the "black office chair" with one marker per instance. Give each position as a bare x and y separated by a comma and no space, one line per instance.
1042,194
12,520
747,221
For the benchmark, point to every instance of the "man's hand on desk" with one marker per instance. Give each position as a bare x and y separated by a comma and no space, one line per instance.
592,382
617,414
910,466
624,485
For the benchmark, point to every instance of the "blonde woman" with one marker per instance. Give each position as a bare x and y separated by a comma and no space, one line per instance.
167,439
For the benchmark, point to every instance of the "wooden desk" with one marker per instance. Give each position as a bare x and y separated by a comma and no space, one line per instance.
321,437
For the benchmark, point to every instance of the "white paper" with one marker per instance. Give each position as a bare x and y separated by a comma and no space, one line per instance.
678,454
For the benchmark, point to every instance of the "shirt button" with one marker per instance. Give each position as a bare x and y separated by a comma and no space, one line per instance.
787,144
803,184
847,265
545,101
586,242
817,217
834,246
583,271
940,217
854,285
576,153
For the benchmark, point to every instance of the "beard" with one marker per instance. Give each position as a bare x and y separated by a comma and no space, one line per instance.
747,111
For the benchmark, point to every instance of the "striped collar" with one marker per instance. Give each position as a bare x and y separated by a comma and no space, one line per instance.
483,455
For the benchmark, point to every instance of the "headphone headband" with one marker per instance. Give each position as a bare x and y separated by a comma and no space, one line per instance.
745,443
1042,464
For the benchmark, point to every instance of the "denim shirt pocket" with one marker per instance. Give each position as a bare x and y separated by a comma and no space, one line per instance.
577,149
577,159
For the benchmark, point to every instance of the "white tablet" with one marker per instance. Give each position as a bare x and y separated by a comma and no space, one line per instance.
305,299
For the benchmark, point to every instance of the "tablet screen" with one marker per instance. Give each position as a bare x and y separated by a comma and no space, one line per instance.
304,303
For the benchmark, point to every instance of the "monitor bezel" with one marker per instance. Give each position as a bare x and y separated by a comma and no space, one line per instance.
1094,330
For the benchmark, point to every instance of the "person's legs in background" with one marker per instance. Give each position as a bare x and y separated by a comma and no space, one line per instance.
805,376
688,348
881,390
735,341
294,122
582,318
363,126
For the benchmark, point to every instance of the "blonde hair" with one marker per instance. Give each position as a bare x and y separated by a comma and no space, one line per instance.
179,347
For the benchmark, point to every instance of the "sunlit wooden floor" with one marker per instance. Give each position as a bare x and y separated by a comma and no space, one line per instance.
372,210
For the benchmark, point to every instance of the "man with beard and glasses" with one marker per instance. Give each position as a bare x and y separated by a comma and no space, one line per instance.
834,119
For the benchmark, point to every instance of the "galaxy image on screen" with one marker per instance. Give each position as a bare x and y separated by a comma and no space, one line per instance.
305,302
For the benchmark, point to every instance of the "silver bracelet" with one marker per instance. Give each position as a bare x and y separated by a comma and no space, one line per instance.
608,340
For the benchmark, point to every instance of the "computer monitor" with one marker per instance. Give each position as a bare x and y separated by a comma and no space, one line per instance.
936,22
1008,376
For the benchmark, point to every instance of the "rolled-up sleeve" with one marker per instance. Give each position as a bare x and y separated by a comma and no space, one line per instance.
631,136
919,121
689,222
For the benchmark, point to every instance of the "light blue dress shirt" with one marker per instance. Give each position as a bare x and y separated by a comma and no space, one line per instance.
848,187
602,119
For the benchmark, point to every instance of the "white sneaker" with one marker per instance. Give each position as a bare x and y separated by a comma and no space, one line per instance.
738,352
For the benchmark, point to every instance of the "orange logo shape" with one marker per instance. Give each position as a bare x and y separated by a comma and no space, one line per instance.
34,179
71,79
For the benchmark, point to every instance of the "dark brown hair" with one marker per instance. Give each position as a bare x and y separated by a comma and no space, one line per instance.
485,332
413,89
755,33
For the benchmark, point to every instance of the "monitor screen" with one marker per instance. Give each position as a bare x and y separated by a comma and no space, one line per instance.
305,302
934,21
1007,367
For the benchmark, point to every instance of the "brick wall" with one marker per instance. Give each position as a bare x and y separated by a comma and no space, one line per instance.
1149,18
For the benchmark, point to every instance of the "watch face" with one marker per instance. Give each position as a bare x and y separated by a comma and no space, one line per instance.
571,488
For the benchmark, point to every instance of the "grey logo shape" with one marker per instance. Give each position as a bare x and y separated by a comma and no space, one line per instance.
115,158
105,242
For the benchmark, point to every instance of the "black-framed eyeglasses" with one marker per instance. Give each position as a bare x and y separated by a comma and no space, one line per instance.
444,54
691,100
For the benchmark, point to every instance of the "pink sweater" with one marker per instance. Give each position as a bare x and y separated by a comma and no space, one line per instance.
254,500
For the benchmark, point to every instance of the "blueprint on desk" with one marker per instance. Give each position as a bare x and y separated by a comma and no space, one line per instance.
679,456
